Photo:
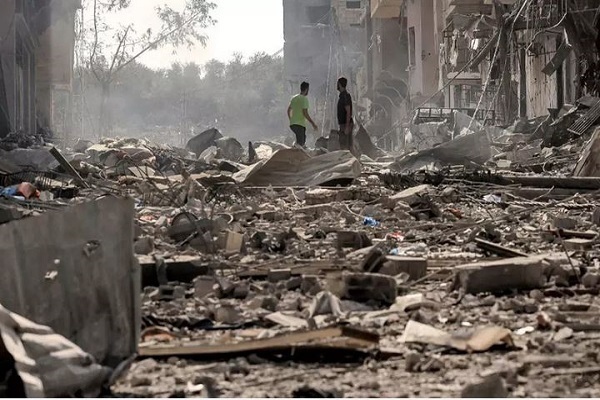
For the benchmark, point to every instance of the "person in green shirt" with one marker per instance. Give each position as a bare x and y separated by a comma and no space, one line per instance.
298,115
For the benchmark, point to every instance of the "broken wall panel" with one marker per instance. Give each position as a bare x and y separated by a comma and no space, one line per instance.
74,270
295,168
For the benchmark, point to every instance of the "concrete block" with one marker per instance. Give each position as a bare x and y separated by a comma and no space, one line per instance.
415,267
363,287
521,273
278,275
564,222
578,244
231,242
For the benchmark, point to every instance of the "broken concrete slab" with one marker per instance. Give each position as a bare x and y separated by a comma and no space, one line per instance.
229,149
295,168
520,273
477,340
279,274
411,196
94,298
203,141
578,244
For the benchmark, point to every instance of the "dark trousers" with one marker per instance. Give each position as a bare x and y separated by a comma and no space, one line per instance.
300,132
346,139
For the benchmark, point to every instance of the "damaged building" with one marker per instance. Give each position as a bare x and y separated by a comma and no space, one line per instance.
37,40
453,251
423,61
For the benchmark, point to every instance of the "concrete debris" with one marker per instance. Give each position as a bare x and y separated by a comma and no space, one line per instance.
476,340
497,276
203,141
249,257
364,287
48,364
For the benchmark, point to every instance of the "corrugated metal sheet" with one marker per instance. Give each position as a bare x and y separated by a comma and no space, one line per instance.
586,121
94,298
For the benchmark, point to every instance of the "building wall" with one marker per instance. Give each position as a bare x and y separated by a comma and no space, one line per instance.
7,60
423,49
542,90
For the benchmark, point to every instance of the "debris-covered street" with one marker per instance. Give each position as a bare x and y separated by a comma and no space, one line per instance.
447,249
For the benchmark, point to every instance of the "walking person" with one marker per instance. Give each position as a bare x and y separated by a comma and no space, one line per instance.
298,115
344,114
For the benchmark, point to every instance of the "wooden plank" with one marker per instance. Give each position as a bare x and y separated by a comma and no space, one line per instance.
498,250
333,337
67,166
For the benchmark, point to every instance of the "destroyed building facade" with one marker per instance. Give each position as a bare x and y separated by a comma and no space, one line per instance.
37,40
495,61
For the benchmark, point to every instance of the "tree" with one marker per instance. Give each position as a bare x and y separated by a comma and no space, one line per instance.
108,50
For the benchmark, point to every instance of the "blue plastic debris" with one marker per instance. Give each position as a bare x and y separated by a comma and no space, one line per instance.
370,221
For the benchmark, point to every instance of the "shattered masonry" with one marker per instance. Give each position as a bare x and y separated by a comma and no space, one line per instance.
457,257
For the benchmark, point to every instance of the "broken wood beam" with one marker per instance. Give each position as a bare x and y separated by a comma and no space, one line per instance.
569,234
535,181
67,166
341,338
498,250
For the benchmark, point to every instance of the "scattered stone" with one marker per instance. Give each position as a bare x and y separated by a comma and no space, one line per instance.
203,286
590,280
226,314
562,334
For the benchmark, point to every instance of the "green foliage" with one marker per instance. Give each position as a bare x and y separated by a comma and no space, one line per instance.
244,99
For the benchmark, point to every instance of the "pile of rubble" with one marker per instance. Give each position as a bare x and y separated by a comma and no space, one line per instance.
459,269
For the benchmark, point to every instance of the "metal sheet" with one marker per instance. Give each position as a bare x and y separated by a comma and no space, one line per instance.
93,299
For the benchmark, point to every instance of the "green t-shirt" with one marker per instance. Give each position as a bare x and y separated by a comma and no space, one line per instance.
298,103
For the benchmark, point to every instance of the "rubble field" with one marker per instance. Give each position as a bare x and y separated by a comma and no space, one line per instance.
469,269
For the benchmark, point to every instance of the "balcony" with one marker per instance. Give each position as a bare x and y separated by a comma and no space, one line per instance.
385,8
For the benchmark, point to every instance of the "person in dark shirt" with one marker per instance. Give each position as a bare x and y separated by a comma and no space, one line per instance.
344,114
